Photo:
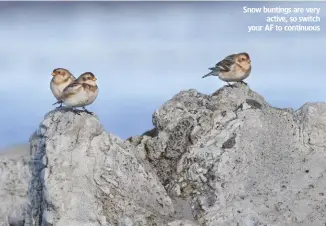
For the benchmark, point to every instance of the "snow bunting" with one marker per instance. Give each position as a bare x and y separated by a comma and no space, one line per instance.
61,79
233,68
82,92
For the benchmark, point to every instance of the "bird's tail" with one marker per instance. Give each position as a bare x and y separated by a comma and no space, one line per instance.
209,74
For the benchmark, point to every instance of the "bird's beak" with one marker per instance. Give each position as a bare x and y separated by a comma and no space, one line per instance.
94,79
53,74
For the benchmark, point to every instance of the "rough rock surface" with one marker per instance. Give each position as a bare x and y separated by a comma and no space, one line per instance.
14,179
210,160
234,160
85,176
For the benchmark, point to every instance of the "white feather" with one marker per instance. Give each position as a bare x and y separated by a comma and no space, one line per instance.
81,98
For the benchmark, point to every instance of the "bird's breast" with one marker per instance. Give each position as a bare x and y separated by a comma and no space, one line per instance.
92,95
57,89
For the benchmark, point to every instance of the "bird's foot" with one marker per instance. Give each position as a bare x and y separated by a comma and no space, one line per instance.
76,111
58,102
88,112
229,85
244,83
60,106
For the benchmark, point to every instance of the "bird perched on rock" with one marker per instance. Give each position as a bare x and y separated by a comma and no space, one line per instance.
61,79
233,68
82,92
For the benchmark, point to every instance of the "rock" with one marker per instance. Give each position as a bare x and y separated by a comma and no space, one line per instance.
15,176
211,160
85,176
182,223
239,161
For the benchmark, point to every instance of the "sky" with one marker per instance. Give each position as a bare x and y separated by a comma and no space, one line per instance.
143,53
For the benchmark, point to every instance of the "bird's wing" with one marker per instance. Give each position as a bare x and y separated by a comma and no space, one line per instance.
225,64
90,88
72,89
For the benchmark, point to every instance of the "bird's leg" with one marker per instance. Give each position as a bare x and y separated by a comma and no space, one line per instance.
59,102
60,106
244,83
88,112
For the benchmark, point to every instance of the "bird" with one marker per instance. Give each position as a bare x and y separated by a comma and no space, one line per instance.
80,93
60,80
233,68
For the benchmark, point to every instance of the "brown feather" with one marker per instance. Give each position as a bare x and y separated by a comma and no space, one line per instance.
68,94
89,87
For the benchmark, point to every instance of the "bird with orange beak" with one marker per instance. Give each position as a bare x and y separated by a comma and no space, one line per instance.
82,92
60,80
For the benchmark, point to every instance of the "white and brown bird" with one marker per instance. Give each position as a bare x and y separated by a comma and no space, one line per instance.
60,80
233,68
82,92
